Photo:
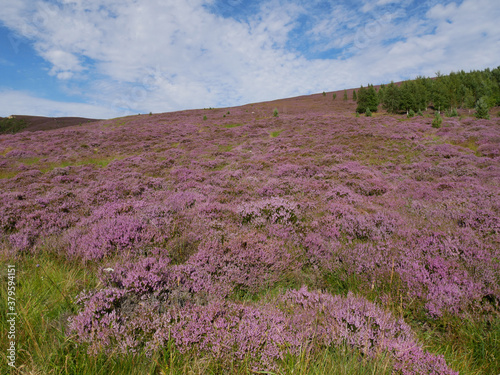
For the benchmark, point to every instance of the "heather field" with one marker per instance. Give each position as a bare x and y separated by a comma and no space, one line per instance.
288,237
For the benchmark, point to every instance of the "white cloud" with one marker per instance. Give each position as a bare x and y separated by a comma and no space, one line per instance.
441,11
160,55
22,103
64,64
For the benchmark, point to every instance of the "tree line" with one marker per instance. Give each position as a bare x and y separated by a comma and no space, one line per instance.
478,89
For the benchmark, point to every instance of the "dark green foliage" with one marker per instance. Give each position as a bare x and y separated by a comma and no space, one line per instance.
354,95
334,96
391,98
368,112
324,93
419,113
456,90
345,95
407,97
411,113
469,99
482,109
12,125
436,123
275,112
367,98
440,99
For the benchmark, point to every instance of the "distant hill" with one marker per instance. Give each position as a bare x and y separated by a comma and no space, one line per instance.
18,123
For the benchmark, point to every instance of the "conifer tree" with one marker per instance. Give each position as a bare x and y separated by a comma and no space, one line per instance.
391,98
482,109
367,98
362,100
436,122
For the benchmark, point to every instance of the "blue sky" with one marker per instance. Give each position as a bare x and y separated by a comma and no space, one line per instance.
103,59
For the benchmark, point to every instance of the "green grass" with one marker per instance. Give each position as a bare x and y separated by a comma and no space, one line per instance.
29,161
275,133
97,161
101,162
225,148
8,174
469,345
44,296
470,143
230,126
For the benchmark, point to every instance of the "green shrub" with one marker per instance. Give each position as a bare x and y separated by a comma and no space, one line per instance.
368,112
275,112
12,125
411,113
436,123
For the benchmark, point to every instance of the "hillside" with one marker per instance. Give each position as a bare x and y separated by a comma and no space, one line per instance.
231,240
17,123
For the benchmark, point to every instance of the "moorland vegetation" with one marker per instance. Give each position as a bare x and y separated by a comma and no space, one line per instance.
275,238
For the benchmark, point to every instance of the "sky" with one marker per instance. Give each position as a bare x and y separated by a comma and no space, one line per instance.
112,58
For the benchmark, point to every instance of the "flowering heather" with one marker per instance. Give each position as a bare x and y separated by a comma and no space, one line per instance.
191,223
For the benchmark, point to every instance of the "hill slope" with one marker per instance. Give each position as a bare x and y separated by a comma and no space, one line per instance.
17,123
231,233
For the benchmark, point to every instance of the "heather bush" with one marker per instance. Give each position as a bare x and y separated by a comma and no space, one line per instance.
273,210
265,332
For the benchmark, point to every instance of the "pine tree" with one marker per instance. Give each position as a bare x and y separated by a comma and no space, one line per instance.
345,95
354,96
391,98
381,93
407,97
367,98
482,109
436,123
362,100
469,99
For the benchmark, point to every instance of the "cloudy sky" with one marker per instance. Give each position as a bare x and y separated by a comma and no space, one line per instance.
109,58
